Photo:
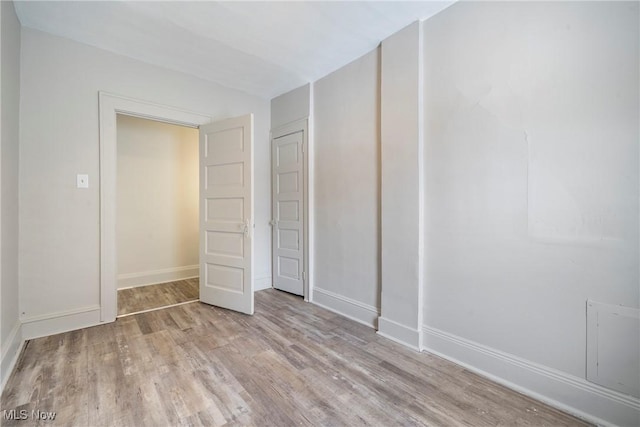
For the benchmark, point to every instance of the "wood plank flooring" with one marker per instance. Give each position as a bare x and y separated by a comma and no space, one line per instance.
141,298
292,363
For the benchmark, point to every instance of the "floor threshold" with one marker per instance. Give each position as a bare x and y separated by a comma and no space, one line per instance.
157,308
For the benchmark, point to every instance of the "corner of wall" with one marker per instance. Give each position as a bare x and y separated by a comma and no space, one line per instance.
399,333
347,307
262,283
10,351
11,340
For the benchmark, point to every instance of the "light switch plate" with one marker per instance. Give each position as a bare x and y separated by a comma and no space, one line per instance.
82,181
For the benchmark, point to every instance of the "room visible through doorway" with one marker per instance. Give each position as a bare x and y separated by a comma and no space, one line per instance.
157,215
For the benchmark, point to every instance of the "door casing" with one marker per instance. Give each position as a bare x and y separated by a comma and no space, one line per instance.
110,105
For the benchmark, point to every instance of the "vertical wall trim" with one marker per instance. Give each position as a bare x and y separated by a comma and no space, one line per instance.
311,244
421,185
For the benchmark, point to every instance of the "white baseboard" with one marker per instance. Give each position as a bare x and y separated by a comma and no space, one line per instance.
347,307
144,278
63,321
10,351
569,393
399,333
262,283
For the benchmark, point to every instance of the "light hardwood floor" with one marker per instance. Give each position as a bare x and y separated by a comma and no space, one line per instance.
292,363
142,298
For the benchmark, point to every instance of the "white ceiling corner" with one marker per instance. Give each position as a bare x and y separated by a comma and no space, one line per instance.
264,48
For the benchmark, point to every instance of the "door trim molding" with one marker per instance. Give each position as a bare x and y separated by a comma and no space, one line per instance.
109,106
301,125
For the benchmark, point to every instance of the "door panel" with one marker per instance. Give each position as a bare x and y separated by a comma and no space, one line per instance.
288,235
226,214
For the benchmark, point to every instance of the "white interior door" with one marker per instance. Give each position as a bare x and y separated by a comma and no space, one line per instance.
226,214
288,210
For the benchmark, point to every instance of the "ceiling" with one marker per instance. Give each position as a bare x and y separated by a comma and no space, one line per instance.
264,48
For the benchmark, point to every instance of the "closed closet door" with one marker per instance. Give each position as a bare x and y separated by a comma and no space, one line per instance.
288,211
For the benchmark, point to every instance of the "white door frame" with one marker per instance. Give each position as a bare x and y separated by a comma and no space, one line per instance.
110,106
284,130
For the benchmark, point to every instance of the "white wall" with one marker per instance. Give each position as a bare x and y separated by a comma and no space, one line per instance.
532,130
347,189
290,106
59,224
10,336
531,177
401,203
530,187
157,202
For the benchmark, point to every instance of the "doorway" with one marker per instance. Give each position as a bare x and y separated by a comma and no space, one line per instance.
157,219
289,201
226,172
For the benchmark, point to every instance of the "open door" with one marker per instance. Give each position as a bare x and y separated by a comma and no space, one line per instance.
226,214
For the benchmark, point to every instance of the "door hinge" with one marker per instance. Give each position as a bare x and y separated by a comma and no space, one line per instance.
302,146
304,275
